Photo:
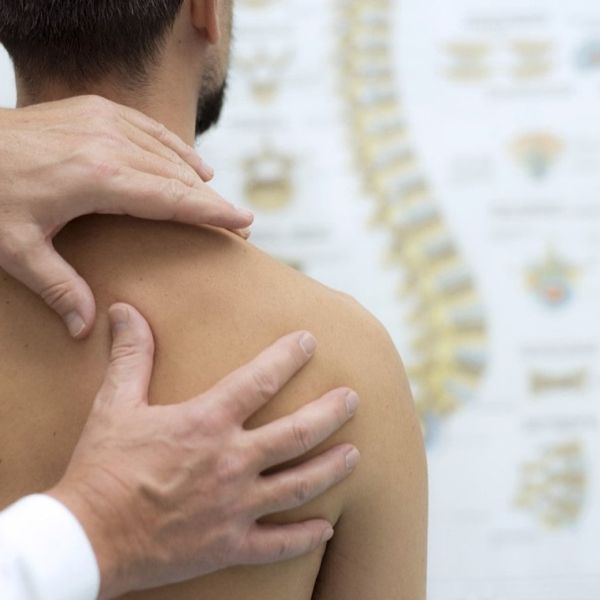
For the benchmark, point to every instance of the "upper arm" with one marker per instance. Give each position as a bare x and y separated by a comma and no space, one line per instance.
379,548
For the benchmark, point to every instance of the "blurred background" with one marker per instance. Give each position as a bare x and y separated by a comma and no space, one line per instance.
440,161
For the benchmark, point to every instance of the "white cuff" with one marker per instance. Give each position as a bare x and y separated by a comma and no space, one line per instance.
45,553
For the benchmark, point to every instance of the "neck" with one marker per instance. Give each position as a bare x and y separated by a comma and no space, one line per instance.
171,98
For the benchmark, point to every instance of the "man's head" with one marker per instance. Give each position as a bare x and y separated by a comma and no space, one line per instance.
77,44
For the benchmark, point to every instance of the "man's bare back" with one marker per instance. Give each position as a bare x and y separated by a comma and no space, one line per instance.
213,302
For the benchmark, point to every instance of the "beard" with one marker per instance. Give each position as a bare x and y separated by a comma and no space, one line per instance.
210,106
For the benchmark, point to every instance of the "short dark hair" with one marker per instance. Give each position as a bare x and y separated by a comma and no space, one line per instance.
78,41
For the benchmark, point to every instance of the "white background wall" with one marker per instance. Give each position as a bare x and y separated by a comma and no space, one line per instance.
7,81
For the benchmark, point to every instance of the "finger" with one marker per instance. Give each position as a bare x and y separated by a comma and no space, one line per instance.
245,234
38,266
296,434
131,357
243,392
153,197
266,544
297,486
159,151
148,162
167,138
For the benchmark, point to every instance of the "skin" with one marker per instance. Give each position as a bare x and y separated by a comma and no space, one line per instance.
66,158
29,219
209,317
220,314
61,160
146,517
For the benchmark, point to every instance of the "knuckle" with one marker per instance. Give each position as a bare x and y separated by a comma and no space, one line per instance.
104,106
185,176
210,419
132,350
301,491
264,383
59,294
97,126
283,548
89,151
198,421
95,105
342,410
104,136
103,169
189,155
124,351
175,193
111,140
161,132
97,162
230,468
302,437
170,153
262,451
15,246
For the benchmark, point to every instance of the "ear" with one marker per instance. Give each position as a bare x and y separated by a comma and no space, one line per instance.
205,18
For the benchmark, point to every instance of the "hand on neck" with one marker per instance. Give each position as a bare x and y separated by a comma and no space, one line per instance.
168,103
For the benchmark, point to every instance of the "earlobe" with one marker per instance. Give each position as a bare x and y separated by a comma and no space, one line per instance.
205,18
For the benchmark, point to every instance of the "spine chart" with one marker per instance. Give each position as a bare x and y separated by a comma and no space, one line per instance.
447,319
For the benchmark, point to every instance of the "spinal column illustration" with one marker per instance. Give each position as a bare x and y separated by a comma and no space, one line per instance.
447,319
553,486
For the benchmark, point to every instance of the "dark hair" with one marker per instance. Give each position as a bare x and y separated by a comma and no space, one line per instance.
78,41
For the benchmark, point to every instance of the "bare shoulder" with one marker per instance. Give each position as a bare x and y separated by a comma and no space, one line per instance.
380,547
209,295
214,302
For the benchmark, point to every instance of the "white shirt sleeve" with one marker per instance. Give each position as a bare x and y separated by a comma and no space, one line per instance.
45,553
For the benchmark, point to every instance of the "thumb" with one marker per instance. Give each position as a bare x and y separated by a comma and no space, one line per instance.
131,357
46,273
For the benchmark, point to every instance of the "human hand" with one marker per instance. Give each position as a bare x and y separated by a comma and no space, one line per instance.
168,493
62,160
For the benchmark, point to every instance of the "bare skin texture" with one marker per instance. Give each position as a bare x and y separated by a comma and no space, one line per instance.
170,493
61,160
214,302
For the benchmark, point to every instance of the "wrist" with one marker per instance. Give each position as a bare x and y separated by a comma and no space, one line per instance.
99,532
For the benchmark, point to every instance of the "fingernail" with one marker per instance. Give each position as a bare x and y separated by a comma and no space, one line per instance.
245,212
352,459
352,401
308,344
246,233
75,324
209,170
327,535
119,318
